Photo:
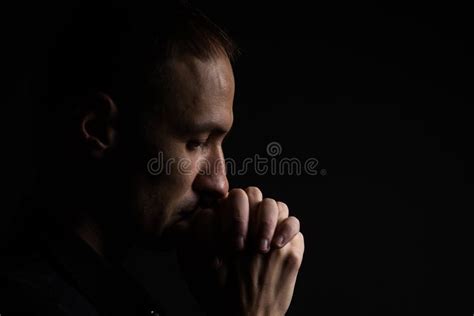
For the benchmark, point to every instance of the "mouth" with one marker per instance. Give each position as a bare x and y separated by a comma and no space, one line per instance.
187,214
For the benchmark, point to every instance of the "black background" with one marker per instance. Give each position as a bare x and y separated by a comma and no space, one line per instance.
379,94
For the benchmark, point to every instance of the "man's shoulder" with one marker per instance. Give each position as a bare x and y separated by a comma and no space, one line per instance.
20,297
31,285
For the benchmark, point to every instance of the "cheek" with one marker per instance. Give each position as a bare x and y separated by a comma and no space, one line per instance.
169,174
180,168
160,196
155,202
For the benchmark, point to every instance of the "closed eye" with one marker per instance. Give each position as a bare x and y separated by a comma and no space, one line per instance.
196,144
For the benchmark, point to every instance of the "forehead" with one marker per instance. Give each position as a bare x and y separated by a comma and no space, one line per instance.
199,91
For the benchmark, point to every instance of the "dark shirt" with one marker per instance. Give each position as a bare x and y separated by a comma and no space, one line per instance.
54,272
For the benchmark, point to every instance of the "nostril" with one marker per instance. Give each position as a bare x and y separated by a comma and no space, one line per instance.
210,187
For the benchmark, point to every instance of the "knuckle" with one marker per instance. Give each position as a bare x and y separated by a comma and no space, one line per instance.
297,243
299,238
239,219
287,229
238,199
283,205
268,203
237,193
266,224
300,242
283,210
293,259
254,193
295,223
269,212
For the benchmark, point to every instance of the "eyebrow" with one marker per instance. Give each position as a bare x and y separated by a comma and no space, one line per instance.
203,127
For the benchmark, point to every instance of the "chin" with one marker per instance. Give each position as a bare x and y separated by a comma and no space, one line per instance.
163,238
156,242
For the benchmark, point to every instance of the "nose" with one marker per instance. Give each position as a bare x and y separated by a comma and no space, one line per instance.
211,181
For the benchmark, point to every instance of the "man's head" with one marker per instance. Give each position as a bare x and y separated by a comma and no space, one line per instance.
127,86
185,140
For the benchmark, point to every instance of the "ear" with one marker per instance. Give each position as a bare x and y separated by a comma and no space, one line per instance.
98,125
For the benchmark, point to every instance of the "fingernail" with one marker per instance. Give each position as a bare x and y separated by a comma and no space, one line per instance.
279,241
264,245
240,242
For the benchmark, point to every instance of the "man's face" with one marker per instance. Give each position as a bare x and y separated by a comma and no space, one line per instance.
184,141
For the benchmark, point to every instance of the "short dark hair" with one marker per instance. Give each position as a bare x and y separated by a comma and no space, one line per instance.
121,47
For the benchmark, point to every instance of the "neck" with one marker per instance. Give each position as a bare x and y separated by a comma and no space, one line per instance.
110,244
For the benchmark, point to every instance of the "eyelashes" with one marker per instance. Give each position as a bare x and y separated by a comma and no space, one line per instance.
195,144
201,143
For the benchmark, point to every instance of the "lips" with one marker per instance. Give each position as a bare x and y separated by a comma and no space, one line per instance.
188,213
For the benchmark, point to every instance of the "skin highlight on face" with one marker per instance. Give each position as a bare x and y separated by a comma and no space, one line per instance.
196,116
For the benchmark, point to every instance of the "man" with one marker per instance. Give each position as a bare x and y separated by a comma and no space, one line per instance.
126,85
